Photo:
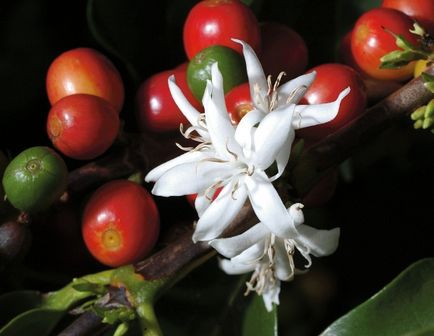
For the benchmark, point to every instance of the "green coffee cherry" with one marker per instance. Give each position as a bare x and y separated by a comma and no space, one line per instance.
34,179
230,64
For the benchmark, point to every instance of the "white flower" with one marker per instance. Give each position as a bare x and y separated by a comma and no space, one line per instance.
236,158
270,257
220,160
268,97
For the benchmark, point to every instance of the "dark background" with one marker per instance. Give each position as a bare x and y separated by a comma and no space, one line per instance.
383,205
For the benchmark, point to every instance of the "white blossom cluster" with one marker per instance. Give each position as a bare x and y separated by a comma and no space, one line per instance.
235,159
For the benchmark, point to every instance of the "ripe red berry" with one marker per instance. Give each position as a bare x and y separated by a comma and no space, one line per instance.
120,223
370,41
156,110
331,79
215,22
84,70
82,126
283,49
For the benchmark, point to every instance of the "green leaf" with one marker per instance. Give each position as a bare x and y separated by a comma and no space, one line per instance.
15,303
404,307
428,81
403,43
37,321
418,30
398,58
206,302
429,111
425,332
258,321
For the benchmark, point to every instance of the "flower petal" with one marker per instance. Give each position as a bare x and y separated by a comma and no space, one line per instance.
220,213
271,134
231,267
268,206
311,115
284,264
218,94
191,178
244,131
201,203
220,129
184,105
283,156
230,247
319,242
271,295
251,255
296,213
292,91
257,81
158,171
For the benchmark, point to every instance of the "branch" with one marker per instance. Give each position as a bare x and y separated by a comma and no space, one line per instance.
183,251
340,145
139,153
87,324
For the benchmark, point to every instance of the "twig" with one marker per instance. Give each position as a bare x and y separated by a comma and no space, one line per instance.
342,144
180,253
87,323
140,153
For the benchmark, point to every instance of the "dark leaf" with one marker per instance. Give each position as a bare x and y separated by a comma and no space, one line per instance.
405,306
258,321
15,303
37,321
206,302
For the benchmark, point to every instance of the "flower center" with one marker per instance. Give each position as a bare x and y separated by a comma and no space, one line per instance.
270,101
264,275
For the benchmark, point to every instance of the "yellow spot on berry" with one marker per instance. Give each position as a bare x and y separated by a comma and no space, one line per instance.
56,128
243,109
33,166
111,239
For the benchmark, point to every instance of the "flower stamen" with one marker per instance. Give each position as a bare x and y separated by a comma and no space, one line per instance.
186,149
296,94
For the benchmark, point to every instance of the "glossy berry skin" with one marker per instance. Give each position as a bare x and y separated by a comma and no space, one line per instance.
344,52
82,126
238,102
156,110
283,49
215,22
35,179
331,79
420,10
84,70
370,41
120,223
